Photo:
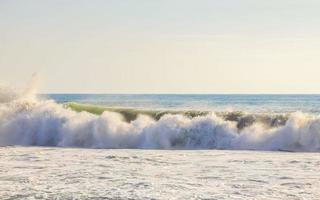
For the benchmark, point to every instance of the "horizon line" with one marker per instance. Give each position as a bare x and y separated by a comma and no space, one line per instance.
100,93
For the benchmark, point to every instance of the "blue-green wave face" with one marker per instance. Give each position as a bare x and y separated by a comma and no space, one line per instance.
131,114
241,118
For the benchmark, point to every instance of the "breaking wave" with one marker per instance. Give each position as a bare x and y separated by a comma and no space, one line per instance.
27,120
242,119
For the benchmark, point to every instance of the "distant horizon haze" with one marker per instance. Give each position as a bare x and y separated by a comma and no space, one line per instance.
169,46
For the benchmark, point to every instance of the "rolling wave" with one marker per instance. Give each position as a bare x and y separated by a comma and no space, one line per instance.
242,119
27,120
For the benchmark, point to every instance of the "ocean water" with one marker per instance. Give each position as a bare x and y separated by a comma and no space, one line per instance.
88,146
64,173
211,102
229,122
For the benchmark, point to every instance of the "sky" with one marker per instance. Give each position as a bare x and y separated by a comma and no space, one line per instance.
162,46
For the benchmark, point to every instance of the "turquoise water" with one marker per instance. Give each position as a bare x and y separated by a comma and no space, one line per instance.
249,103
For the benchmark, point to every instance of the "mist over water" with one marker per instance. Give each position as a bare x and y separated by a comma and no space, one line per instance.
26,119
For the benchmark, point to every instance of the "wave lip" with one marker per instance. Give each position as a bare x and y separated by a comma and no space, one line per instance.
46,123
241,118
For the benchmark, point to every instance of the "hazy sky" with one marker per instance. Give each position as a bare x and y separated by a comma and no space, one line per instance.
162,46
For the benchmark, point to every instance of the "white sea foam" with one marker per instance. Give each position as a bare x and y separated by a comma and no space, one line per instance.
67,173
26,120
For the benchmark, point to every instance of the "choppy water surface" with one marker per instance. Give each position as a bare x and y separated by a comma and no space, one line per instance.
62,173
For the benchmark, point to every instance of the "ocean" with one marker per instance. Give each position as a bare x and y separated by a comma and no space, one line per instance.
111,146
210,102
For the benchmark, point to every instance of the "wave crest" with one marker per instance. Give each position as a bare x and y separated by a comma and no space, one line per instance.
46,123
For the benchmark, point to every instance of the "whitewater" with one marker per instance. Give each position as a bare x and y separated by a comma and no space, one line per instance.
72,173
29,120
157,147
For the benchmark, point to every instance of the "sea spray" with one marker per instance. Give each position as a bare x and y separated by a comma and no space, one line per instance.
242,119
29,121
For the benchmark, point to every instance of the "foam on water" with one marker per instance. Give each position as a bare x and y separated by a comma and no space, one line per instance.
243,119
69,173
27,120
